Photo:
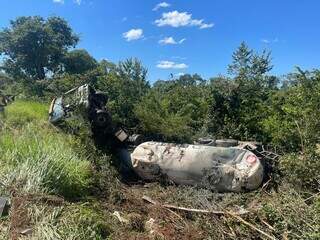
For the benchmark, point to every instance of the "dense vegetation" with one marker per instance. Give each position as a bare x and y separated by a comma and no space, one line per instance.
247,104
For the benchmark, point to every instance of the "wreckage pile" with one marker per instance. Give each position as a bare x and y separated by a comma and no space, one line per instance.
59,187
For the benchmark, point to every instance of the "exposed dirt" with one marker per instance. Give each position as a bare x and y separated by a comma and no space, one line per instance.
19,218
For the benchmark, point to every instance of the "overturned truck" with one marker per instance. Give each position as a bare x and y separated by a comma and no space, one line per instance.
221,165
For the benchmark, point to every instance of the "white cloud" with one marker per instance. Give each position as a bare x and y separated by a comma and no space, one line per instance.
167,40
133,34
161,5
182,40
206,25
59,1
178,57
181,19
267,41
170,40
179,74
77,2
171,65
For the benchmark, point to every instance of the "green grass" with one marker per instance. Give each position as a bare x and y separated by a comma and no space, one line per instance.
22,112
37,158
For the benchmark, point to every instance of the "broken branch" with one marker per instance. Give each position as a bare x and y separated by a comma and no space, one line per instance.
235,215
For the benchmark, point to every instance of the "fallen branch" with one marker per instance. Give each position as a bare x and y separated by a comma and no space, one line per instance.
234,215
250,225
313,196
149,200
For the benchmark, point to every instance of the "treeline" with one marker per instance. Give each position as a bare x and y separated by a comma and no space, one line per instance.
247,104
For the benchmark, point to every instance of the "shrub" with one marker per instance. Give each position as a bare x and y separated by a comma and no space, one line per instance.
302,170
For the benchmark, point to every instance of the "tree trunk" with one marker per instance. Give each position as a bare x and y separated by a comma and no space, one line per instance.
40,73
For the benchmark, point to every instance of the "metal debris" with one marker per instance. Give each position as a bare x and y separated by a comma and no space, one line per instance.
26,231
121,219
4,206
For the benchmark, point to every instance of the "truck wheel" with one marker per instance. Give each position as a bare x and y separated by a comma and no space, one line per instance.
102,119
226,143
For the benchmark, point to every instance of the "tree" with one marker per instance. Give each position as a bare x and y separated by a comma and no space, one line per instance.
33,46
238,105
293,114
241,59
174,110
125,85
79,61
246,64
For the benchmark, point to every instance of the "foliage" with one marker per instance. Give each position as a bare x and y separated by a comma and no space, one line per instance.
79,61
302,170
125,85
174,110
294,117
249,104
73,222
34,46
238,104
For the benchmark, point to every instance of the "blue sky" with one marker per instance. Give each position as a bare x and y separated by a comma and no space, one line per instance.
186,36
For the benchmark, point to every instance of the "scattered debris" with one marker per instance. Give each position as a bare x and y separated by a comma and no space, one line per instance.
149,200
150,225
4,206
26,231
20,220
232,214
224,165
121,219
250,225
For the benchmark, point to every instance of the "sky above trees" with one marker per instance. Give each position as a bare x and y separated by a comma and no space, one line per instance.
185,36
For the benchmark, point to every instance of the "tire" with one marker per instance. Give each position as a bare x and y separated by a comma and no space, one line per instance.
226,143
102,119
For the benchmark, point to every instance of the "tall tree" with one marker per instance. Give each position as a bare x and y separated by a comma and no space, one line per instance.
125,85
238,105
33,46
246,64
79,61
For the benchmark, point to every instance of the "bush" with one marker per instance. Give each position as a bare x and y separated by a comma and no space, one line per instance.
291,215
302,170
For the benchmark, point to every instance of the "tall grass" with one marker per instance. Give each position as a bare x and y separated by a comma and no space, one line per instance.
36,158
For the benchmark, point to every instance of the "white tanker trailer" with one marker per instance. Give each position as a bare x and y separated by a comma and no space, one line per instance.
219,168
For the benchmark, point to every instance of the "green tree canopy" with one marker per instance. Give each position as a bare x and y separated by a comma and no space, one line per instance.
33,46
79,61
238,105
174,110
248,64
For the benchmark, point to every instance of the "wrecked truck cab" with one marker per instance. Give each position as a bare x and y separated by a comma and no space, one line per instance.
87,103
218,168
